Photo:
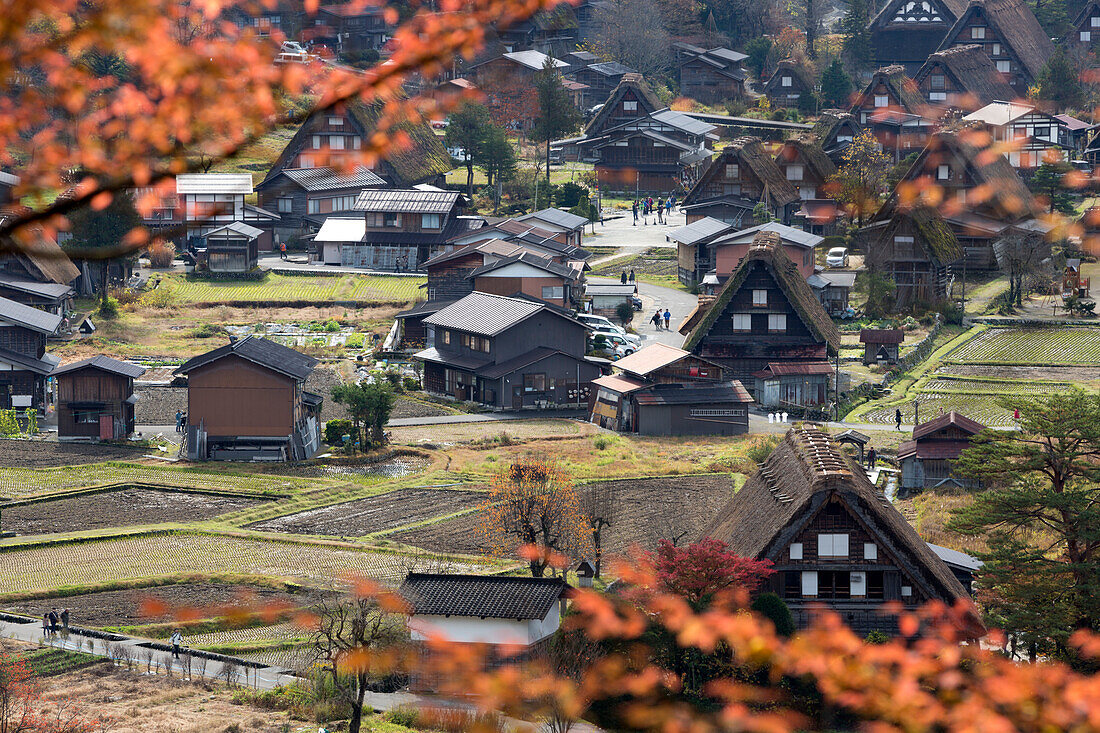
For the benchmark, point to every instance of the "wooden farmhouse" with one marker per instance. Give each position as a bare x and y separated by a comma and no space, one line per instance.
1084,33
41,275
502,268
926,459
961,78
480,349
833,288
742,176
662,390
983,198
834,539
767,317
95,399
305,197
710,76
788,83
881,345
1030,135
24,363
246,401
209,201
550,31
508,82
350,27
799,247
1009,33
834,131
916,249
568,228
599,80
694,255
233,248
892,108
528,233
905,32
806,166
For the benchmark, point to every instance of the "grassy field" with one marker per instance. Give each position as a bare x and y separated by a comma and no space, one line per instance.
48,566
310,289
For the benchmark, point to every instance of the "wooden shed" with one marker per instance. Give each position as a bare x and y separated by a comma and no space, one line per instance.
881,344
233,248
95,399
926,459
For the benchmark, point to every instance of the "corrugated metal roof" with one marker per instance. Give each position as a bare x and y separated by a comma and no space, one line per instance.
789,235
237,227
482,596
510,366
594,289
681,121
8,179
260,351
403,201
694,394
556,217
104,363
787,370
45,365
214,183
484,313
619,383
320,179
611,68
728,54
699,230
533,60
48,290
337,229
27,317
954,557
458,361
953,419
651,358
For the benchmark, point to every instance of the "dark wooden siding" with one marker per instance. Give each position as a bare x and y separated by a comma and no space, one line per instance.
235,397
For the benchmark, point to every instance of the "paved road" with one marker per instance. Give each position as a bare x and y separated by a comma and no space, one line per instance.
623,232
678,303
398,422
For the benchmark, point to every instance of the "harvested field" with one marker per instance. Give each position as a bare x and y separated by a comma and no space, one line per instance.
123,508
489,431
1077,375
123,607
395,467
43,454
1074,346
288,289
374,514
43,567
644,511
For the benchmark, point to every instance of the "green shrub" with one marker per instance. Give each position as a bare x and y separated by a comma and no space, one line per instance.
877,637
405,715
601,442
335,430
108,308
331,326
772,607
761,447
411,384
625,313
207,330
9,425
354,341
32,421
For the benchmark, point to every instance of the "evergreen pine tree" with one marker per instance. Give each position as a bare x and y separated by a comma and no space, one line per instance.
836,85
857,32
557,114
1059,83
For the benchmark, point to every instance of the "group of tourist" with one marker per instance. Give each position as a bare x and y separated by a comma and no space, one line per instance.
660,207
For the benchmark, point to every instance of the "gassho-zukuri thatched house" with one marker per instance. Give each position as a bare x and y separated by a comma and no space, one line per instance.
834,539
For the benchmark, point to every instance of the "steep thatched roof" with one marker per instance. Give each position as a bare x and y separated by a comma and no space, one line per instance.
804,472
808,148
750,152
792,68
648,102
903,89
423,159
973,71
1015,23
767,249
41,257
940,240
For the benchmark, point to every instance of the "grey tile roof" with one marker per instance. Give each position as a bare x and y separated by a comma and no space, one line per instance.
786,233
600,289
681,121
611,68
484,313
533,59
322,179
44,365
236,227
260,351
527,258
557,217
48,290
104,363
694,394
27,317
455,360
406,201
535,355
214,183
699,230
482,596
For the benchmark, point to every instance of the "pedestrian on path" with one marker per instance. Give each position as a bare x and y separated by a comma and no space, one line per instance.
634,209
656,319
622,277
631,277
871,458
176,640
660,211
668,205
179,421
282,250
65,620
53,621
668,317
897,418
46,625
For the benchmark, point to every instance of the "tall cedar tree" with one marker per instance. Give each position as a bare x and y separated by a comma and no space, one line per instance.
758,50
498,160
836,85
102,234
1049,182
811,23
857,32
1040,507
859,181
557,114
468,129
1059,82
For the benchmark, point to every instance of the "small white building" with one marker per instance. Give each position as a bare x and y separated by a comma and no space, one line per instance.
511,614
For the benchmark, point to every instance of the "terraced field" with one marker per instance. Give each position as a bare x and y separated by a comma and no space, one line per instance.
1070,345
298,289
35,567
28,482
978,407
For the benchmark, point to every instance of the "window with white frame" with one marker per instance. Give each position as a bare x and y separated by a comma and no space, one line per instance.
284,205
906,591
316,142
977,33
430,221
943,172
937,82
1004,66
742,321
336,142
870,551
553,292
901,239
356,142
832,545
1094,21
995,50
335,121
857,581
631,106
777,322
794,173
882,100
1086,36
733,170
809,583
759,297
937,96
785,81
305,161
796,550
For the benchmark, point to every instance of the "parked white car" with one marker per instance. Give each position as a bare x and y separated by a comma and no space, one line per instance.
614,339
601,323
837,257
628,338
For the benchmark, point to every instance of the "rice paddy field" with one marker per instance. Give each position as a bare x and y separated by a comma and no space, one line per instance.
1056,346
313,289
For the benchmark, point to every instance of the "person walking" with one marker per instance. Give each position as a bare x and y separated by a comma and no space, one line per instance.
282,250
179,421
897,418
634,209
53,621
668,205
660,211
65,620
872,456
176,640
622,277
668,317
656,319
46,625
631,276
